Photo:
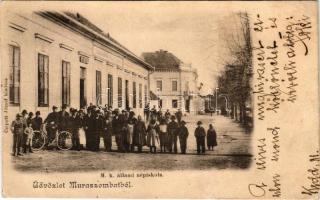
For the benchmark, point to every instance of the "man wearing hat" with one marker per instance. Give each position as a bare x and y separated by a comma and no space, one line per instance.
37,122
173,135
52,124
179,116
63,118
200,135
17,128
183,136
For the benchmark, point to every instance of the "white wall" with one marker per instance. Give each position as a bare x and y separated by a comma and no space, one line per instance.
30,46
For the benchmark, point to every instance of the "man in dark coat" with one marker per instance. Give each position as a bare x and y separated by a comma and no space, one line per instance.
63,117
173,135
200,135
37,122
108,132
183,136
139,134
98,130
52,124
179,116
74,126
117,127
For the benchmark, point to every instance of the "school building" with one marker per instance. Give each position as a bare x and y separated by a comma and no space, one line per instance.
56,58
173,84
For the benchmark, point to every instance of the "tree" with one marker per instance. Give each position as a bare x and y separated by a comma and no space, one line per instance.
235,79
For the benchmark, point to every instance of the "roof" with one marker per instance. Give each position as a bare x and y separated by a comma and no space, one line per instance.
80,24
162,60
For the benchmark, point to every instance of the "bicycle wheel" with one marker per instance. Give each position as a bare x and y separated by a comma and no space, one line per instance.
38,140
64,140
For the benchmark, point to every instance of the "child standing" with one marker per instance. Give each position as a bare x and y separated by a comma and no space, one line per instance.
29,133
211,137
17,127
200,135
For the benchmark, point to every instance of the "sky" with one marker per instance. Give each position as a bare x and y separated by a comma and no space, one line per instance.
191,33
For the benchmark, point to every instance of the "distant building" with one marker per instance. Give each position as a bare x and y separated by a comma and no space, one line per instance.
173,82
53,58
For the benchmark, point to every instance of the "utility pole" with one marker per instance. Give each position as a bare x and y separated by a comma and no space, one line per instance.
217,100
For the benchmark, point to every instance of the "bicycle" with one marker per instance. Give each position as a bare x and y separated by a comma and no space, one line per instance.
63,139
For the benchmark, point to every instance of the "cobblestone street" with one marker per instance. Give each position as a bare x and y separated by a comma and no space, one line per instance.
233,151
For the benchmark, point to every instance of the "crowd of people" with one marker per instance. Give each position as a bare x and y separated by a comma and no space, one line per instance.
131,132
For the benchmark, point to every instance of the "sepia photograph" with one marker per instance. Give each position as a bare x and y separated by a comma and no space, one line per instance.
160,99
171,89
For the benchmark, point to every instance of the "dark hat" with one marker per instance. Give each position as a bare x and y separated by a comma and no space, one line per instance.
30,113
18,115
73,110
54,107
183,122
38,112
173,117
199,122
24,112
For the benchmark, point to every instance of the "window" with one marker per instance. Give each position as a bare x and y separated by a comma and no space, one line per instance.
145,95
65,83
174,86
140,95
159,85
127,94
98,87
110,90
174,103
83,73
83,98
134,95
14,82
119,92
43,80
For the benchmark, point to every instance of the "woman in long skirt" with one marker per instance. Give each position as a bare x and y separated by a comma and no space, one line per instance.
211,138
152,136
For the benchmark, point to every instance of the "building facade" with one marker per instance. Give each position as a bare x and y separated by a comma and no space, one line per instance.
51,58
173,82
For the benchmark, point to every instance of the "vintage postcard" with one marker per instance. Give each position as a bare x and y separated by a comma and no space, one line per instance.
160,99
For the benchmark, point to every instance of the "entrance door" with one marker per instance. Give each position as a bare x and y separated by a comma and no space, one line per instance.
187,106
83,101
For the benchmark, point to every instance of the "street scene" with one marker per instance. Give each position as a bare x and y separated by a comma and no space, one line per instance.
233,151
173,92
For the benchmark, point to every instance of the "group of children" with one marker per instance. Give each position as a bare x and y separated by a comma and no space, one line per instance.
23,128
